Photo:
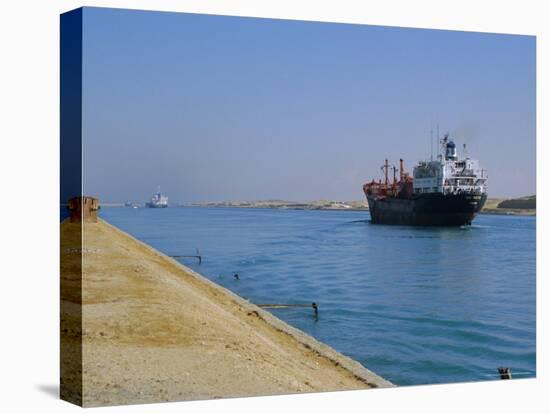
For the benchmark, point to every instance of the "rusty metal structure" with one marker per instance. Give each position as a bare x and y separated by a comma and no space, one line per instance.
83,209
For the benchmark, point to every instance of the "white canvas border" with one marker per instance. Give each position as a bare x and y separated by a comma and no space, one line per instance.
29,168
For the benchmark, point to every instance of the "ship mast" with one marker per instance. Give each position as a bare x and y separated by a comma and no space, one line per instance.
394,185
438,144
431,144
386,167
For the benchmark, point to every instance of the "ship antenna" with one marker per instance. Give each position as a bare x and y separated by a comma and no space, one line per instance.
431,144
438,142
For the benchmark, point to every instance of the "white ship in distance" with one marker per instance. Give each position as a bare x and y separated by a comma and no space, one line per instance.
157,200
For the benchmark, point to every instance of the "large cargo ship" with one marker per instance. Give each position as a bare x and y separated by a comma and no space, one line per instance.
449,191
158,200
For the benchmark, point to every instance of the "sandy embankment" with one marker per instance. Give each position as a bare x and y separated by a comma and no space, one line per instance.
153,330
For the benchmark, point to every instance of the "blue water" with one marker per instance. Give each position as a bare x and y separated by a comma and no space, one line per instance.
415,305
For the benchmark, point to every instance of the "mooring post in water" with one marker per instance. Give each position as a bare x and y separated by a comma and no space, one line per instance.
293,305
505,373
315,309
197,256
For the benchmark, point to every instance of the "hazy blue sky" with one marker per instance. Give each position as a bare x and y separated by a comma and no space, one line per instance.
219,108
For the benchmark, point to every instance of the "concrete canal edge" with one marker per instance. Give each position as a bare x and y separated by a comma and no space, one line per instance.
361,373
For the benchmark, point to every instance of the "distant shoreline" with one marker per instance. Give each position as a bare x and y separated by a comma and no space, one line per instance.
492,205
497,212
508,212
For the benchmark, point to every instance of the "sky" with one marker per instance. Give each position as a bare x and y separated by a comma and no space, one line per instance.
218,108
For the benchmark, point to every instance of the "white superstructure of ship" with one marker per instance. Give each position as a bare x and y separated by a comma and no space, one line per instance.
157,200
449,174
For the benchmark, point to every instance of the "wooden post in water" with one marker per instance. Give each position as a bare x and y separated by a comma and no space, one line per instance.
505,373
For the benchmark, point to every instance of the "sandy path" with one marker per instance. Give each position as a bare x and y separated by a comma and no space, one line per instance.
153,331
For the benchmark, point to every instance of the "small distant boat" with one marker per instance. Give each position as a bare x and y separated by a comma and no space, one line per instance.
158,200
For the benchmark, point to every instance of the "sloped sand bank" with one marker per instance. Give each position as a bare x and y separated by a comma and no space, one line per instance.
153,330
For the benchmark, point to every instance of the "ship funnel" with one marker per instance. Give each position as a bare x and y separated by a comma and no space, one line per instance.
450,151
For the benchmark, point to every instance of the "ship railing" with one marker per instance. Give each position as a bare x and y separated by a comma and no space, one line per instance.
475,190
